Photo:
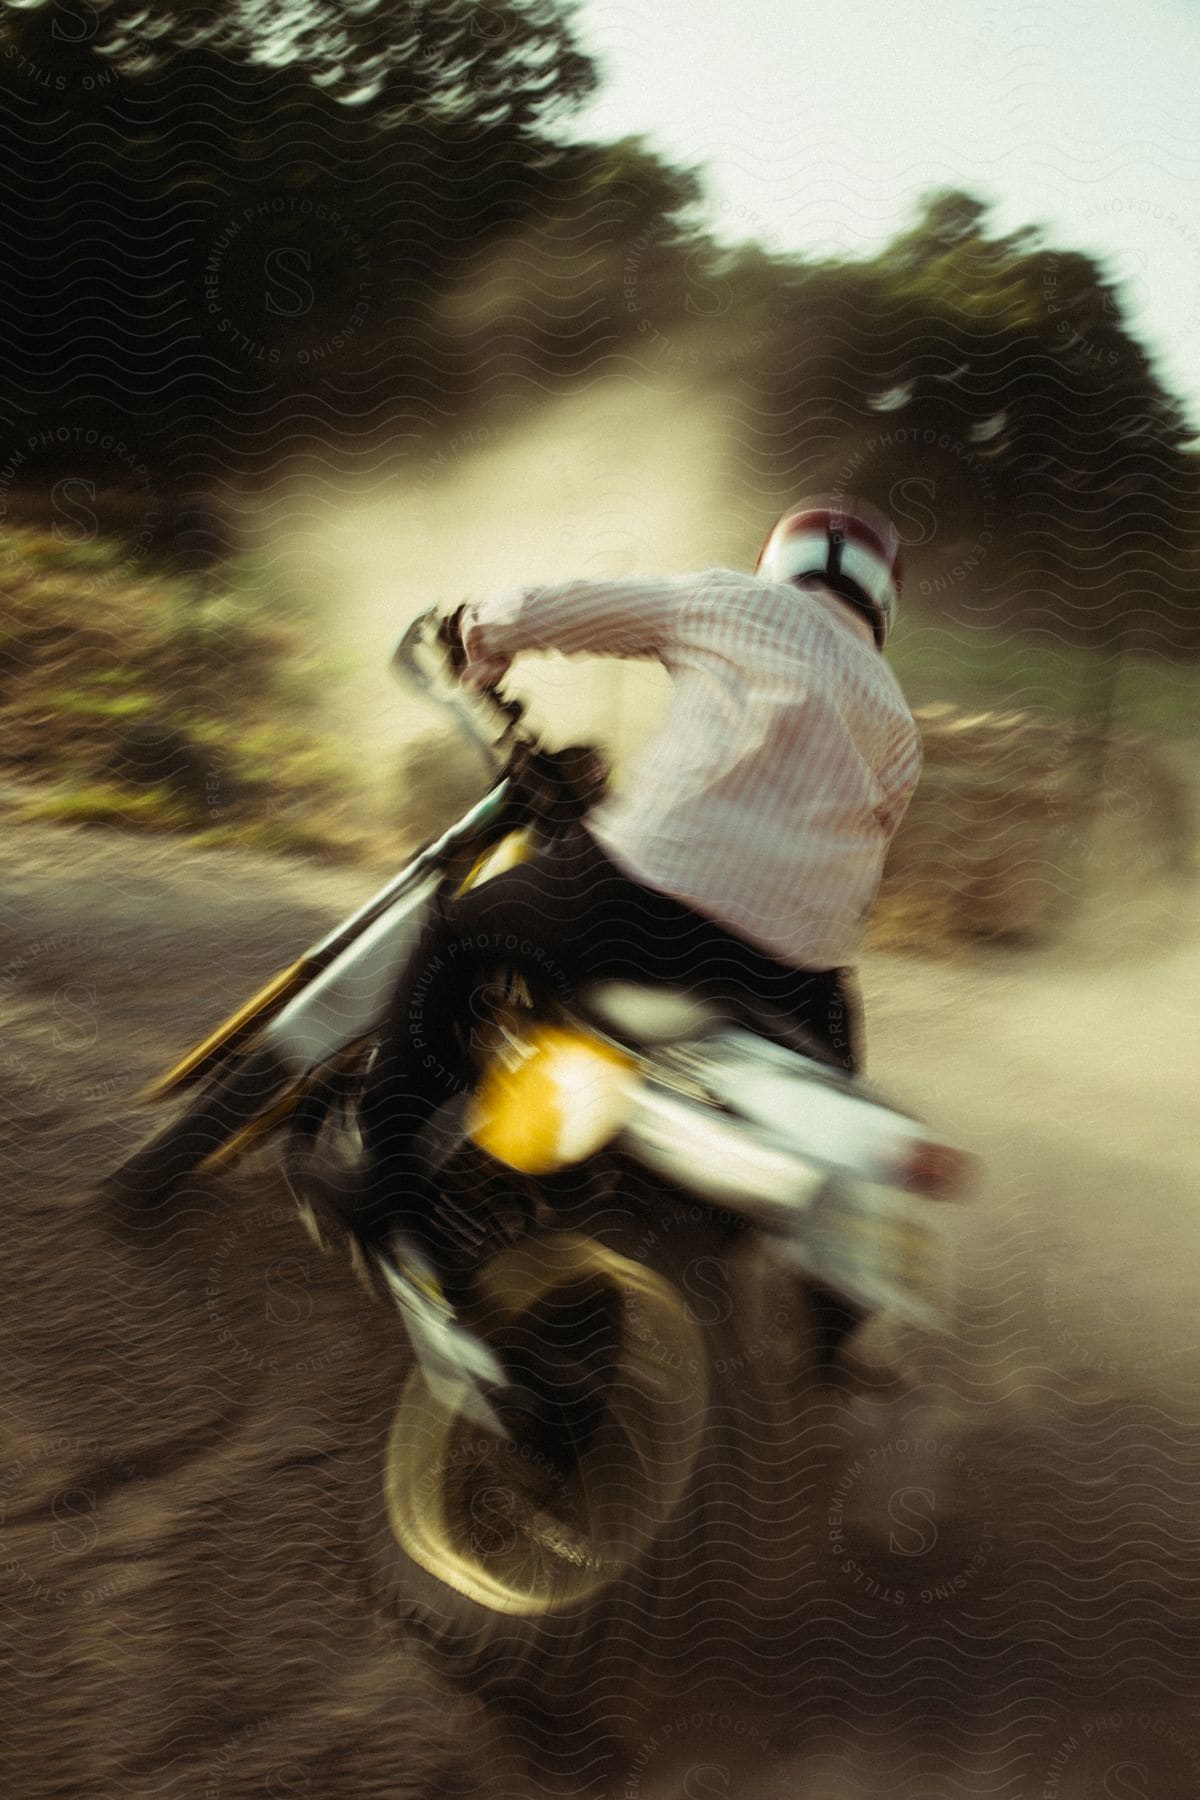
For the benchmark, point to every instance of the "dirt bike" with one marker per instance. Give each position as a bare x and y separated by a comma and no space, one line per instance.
589,1128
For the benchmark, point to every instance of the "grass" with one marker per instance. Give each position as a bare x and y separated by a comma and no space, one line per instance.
139,698
78,703
103,803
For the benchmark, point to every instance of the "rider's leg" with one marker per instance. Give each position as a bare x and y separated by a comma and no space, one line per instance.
538,918
418,1065
834,1317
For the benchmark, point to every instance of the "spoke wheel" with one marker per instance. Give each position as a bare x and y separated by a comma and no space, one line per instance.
618,1378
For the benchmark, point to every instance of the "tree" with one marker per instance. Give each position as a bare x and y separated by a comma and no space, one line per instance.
511,64
986,389
224,220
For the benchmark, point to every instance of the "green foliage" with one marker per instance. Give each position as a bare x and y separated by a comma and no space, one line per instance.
301,182
986,390
1152,694
81,704
511,62
368,224
104,803
148,704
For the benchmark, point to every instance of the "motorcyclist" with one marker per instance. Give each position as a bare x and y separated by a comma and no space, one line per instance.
741,856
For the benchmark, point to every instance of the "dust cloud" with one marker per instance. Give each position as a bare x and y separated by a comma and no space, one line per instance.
607,484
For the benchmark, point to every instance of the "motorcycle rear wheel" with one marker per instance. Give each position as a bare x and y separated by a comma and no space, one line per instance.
522,1531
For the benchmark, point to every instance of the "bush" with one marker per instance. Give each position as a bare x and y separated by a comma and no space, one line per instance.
140,694
1017,812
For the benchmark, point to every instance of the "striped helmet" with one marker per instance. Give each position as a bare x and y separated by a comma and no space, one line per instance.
847,544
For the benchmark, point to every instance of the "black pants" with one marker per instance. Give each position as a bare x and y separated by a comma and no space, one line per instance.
566,917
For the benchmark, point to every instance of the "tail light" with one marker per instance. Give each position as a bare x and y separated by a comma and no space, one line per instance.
938,1170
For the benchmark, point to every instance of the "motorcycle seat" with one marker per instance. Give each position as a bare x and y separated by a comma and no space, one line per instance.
647,1015
653,1015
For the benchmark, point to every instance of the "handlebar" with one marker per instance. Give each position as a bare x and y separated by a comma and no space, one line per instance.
404,657
407,661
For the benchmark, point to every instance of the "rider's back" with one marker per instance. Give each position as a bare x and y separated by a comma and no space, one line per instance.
785,761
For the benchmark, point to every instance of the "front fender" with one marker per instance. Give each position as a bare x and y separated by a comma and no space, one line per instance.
350,998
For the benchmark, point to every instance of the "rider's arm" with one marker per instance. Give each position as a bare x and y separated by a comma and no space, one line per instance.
603,618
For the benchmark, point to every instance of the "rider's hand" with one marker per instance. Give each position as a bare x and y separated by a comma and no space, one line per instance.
477,671
485,671
450,636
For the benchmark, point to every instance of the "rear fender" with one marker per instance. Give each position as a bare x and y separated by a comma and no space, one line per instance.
881,1249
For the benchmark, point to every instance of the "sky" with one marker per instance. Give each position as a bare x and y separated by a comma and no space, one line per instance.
818,126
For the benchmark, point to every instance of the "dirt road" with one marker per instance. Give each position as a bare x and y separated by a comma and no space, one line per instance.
1004,1596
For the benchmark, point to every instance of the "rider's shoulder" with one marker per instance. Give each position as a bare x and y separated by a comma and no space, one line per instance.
732,586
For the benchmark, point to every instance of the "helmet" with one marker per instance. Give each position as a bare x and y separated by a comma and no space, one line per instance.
850,546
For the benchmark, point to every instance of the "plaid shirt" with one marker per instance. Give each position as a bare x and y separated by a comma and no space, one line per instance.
786,761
